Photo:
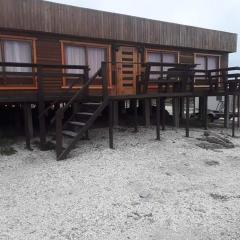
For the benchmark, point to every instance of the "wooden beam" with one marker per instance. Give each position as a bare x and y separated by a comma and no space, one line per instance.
28,124
158,118
226,111
233,113
115,113
205,115
147,112
175,107
111,110
187,116
135,109
238,111
162,106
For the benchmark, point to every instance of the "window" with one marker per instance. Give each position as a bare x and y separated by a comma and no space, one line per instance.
17,52
206,62
161,57
78,54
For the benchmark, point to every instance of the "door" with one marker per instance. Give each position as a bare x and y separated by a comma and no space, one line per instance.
126,70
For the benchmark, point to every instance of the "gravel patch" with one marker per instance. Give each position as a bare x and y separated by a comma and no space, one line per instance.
143,189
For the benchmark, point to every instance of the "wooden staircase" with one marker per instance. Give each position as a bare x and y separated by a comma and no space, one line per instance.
77,126
85,112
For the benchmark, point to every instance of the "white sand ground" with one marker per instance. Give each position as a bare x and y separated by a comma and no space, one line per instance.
144,189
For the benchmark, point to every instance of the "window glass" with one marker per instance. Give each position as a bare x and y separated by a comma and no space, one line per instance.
154,57
17,52
95,57
75,56
168,58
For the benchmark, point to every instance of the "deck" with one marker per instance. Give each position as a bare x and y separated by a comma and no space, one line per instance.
89,96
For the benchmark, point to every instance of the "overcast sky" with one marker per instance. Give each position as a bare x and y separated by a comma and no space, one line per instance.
215,14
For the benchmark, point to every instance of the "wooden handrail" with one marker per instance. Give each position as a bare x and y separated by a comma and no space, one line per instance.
36,65
80,92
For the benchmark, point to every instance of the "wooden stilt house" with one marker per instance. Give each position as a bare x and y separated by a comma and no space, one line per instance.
65,56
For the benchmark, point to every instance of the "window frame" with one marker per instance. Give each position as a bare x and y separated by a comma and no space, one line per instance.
206,55
162,51
86,45
32,42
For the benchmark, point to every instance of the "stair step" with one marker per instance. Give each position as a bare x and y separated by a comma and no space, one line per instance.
92,103
69,133
85,113
77,123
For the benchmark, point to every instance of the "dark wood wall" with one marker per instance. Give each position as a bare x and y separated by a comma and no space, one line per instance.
48,51
37,15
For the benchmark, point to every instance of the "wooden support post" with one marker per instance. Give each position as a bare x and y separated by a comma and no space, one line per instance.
162,103
41,108
28,124
238,111
205,115
187,116
175,104
147,112
111,110
158,118
233,113
226,111
59,135
115,113
194,105
135,109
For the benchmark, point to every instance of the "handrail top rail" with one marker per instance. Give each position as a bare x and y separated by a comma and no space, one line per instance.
37,65
62,110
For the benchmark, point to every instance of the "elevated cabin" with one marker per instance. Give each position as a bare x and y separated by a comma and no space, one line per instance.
49,51
40,32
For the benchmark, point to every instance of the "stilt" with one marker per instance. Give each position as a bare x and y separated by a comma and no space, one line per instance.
233,113
175,104
205,115
147,112
162,103
135,115
41,108
28,124
42,126
181,103
115,114
158,118
226,111
238,111
187,116
111,109
194,106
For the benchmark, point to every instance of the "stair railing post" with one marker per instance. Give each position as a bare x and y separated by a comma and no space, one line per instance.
104,80
59,137
86,78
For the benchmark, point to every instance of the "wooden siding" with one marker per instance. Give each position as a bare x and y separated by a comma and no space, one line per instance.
37,15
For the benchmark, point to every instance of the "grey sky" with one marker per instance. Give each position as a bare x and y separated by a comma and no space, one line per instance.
215,14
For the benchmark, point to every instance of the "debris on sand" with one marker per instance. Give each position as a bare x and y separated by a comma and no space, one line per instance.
214,141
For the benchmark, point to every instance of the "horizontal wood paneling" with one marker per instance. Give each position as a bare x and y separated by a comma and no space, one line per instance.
37,15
